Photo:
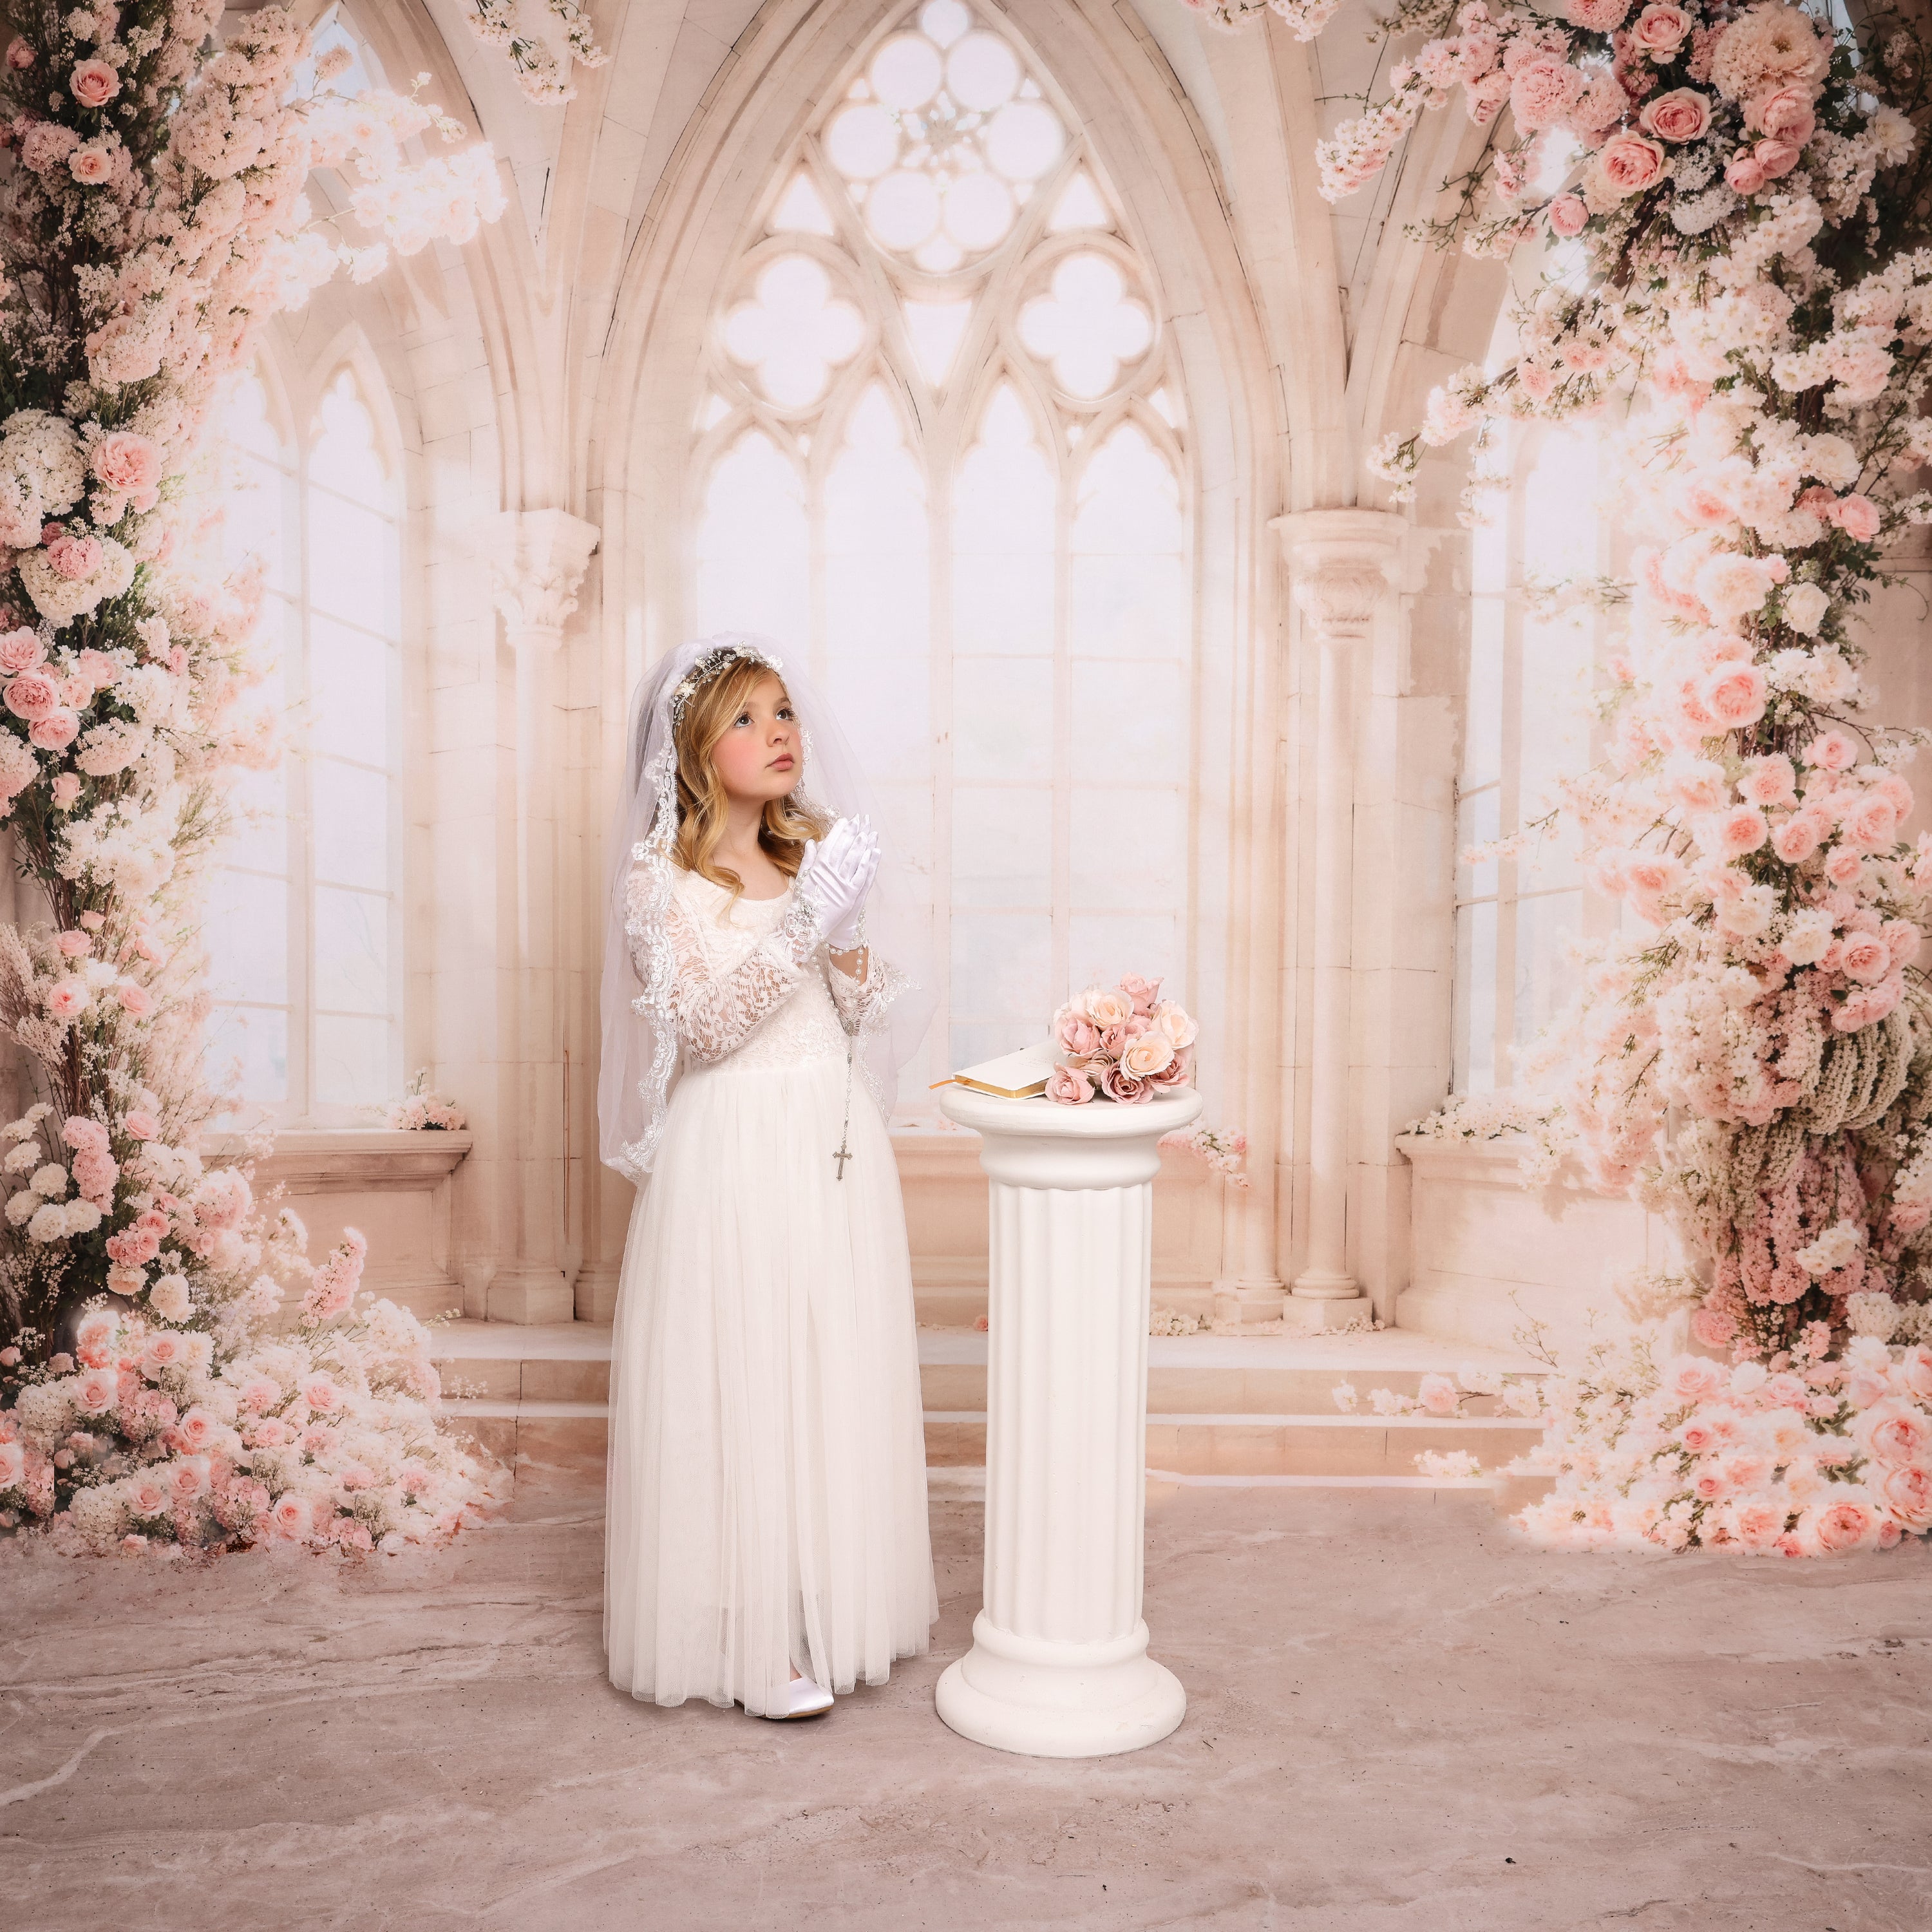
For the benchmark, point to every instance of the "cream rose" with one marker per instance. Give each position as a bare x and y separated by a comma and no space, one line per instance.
1153,1053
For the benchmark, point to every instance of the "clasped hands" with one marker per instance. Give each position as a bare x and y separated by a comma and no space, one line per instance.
836,873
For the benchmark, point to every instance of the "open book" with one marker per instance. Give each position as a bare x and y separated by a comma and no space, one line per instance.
1012,1076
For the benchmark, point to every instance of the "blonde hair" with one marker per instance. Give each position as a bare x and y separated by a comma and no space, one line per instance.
702,805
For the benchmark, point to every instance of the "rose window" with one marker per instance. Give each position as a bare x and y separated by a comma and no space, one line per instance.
942,140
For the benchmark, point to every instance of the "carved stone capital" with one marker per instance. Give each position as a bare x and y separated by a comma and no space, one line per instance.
1340,562
535,560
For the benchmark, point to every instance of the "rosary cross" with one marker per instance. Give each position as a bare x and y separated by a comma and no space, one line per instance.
843,1155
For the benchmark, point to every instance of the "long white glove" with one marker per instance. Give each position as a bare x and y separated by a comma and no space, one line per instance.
836,875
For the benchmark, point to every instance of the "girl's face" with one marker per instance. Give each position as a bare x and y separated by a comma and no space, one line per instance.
758,756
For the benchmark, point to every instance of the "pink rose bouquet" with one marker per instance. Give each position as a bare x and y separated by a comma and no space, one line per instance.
1124,1043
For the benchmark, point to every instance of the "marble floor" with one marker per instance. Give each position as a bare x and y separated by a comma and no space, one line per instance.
1400,1717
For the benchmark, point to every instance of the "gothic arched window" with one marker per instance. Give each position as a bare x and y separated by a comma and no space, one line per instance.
304,924
941,454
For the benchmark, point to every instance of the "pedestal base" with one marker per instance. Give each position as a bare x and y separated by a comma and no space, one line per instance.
1046,1700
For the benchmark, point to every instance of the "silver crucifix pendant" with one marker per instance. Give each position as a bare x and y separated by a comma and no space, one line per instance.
844,1154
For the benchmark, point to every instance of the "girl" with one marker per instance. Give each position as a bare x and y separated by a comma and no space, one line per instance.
766,1538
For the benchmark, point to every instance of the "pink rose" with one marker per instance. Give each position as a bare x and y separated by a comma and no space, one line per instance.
1757,1522
1597,16
1740,830
1844,867
1118,1084
1857,516
97,1392
1797,838
321,1394
20,650
66,788
1075,1032
1628,164
1865,957
19,55
1769,780
1831,751
140,1125
90,165
1848,1523
197,1427
1743,173
1144,993
1070,1086
32,694
1734,694
133,998
1567,214
1689,1378
55,730
74,557
94,83
1872,824
1907,1492
1681,115
1785,114
1660,28
1901,1436
125,461
1777,158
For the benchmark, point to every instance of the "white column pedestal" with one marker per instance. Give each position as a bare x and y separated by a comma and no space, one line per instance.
1059,1666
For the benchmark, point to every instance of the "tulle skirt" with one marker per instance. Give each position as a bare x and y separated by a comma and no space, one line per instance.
766,1483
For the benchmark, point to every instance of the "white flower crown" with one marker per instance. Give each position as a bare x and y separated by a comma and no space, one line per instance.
710,664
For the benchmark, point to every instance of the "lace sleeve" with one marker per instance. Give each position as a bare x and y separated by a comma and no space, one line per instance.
864,1003
716,1011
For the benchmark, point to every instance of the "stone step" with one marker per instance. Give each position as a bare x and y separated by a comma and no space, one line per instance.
1220,1409
1178,1448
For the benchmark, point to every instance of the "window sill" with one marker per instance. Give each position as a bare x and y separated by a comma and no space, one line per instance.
311,1159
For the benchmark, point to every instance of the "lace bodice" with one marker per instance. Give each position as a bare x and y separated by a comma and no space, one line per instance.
754,984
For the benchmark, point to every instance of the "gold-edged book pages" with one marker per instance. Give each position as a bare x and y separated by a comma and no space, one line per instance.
1013,1076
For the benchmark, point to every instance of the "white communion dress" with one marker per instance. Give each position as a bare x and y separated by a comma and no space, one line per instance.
766,1484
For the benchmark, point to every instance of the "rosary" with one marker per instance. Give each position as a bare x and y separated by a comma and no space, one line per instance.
844,1151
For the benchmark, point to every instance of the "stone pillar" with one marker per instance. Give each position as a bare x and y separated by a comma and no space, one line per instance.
1059,1666
534,561
1338,562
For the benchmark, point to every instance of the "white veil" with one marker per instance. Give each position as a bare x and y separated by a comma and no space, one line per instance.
639,1031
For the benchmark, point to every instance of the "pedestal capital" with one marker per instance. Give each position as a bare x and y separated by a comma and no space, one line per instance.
535,560
1040,1144
1339,562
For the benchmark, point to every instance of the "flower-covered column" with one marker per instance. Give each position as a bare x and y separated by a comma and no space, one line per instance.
1338,562
536,560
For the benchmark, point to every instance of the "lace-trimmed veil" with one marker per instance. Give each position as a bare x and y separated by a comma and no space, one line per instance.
640,1033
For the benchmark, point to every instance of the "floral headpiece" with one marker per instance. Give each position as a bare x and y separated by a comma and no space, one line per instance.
714,660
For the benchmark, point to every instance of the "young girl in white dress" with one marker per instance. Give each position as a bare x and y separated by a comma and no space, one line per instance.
766,1538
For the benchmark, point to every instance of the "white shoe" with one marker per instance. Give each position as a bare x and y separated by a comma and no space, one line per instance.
807,1700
